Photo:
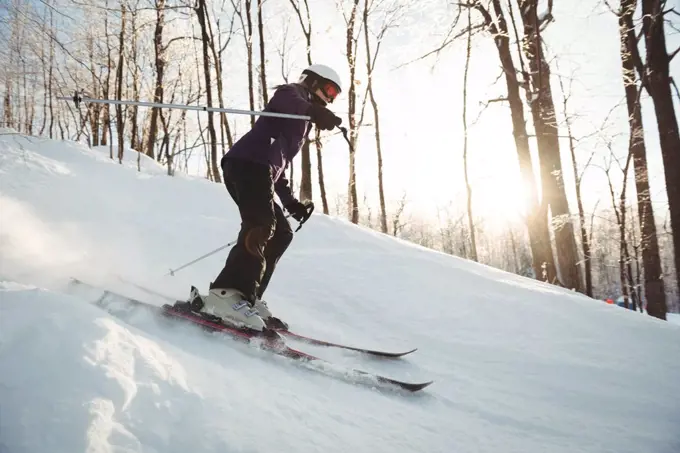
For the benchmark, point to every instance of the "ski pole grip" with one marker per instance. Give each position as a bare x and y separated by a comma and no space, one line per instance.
309,206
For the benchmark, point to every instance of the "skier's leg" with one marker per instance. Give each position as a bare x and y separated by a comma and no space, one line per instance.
275,248
234,290
253,190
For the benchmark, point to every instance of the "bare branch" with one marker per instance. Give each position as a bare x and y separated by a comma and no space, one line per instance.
677,92
296,6
673,54
445,44
178,38
610,7
56,10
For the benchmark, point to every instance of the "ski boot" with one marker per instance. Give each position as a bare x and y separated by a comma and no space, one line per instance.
232,307
272,322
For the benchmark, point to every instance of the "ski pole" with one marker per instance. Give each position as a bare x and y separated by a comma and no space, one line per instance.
172,271
78,98
309,209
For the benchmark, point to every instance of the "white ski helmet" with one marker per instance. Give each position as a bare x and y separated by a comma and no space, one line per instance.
320,73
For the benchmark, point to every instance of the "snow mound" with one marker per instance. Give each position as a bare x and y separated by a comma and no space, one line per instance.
518,365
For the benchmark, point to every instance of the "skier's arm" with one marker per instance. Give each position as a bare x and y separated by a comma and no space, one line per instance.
287,99
282,188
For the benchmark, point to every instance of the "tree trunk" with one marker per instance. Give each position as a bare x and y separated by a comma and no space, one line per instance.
306,168
654,285
620,212
370,59
225,129
659,87
7,103
134,114
624,245
263,72
585,242
120,123
636,280
306,178
381,185
106,86
43,60
50,76
202,19
513,243
352,199
249,50
468,187
543,113
319,164
543,262
160,72
95,109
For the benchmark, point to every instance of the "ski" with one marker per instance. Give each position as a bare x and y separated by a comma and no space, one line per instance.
270,341
294,335
273,342
317,342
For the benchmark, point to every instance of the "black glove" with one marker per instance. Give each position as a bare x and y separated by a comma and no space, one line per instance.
298,210
323,117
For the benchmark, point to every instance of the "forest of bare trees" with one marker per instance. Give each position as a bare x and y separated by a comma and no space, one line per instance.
195,52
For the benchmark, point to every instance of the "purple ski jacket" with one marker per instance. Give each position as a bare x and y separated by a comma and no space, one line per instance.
276,141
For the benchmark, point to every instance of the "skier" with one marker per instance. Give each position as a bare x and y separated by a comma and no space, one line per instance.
254,169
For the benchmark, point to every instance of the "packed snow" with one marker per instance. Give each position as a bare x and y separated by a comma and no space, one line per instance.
518,365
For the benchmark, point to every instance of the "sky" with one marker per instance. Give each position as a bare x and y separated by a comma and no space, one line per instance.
421,106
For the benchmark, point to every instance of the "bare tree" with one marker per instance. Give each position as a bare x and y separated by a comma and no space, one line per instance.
8,117
537,221
625,272
48,70
106,86
391,12
468,187
658,84
95,109
578,177
247,27
203,19
397,218
638,270
545,124
305,157
160,62
654,285
133,64
120,121
263,71
218,48
351,42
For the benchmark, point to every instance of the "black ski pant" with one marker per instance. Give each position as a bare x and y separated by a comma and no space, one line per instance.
265,232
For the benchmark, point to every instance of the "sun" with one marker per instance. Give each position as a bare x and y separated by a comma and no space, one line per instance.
499,195
500,201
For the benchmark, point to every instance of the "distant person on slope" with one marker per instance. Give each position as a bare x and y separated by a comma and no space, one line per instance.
254,169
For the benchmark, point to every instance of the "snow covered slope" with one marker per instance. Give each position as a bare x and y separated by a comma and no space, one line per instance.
518,366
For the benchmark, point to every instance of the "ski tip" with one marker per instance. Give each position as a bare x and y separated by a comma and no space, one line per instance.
410,386
420,386
390,354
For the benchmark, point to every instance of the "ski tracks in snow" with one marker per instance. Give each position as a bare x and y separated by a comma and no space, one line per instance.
106,388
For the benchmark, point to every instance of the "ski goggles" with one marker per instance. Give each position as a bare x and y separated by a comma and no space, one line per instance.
330,90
